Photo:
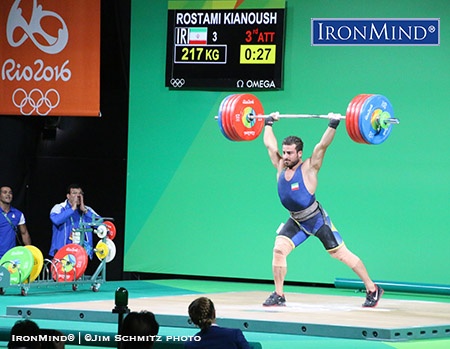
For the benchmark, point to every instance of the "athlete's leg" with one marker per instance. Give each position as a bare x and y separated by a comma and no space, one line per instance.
289,236
283,246
333,243
373,291
343,254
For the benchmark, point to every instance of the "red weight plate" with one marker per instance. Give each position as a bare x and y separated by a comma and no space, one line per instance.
245,127
357,116
350,118
360,115
232,117
226,117
70,262
355,112
219,117
355,121
242,108
111,229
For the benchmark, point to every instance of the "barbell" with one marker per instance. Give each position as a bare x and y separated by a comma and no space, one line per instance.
368,119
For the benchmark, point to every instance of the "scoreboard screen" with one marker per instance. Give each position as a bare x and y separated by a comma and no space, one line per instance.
224,48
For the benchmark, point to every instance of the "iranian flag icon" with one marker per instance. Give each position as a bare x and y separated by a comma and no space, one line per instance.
198,36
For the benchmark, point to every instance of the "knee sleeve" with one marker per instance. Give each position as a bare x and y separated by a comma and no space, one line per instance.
283,246
346,256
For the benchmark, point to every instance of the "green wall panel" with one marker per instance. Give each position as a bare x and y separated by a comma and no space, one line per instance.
198,204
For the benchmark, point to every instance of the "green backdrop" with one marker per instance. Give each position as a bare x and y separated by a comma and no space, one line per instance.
199,204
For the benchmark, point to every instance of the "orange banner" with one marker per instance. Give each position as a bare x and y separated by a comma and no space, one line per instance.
50,57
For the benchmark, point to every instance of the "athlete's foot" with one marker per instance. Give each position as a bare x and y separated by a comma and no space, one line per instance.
275,300
372,298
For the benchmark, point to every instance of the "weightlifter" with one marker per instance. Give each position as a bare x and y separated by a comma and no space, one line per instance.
297,183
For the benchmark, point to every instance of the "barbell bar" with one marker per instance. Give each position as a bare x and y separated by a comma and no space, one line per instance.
368,119
318,116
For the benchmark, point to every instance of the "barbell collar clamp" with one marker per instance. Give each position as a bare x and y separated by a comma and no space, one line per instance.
392,121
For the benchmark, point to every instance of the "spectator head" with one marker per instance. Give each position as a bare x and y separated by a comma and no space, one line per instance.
139,324
202,312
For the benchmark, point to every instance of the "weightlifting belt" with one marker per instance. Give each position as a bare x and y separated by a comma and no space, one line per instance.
307,213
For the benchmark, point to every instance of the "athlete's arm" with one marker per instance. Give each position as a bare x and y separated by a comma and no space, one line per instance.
312,165
270,141
318,154
319,150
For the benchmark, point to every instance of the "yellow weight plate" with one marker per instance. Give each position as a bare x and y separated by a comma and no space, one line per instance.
38,262
101,250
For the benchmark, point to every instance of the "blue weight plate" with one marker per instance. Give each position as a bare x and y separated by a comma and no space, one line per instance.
370,110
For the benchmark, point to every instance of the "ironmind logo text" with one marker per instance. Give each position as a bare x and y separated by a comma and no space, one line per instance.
375,32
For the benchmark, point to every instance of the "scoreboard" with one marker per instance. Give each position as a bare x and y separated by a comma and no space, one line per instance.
225,48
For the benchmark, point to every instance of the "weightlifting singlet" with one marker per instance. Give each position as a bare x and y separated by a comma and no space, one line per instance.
293,194
295,197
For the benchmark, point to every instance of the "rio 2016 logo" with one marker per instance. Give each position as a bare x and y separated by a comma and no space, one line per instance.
33,28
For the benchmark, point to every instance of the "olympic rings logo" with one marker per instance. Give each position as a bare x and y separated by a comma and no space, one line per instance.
35,101
177,82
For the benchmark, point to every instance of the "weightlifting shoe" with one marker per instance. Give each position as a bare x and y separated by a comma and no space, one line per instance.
275,300
372,298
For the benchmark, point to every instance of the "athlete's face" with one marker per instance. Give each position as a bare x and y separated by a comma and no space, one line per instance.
291,157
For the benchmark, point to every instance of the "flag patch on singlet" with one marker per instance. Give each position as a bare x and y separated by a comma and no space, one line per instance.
295,186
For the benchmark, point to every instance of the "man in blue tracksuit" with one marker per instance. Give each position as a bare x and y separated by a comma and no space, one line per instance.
69,216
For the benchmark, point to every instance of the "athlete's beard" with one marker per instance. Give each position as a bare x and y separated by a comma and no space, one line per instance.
291,164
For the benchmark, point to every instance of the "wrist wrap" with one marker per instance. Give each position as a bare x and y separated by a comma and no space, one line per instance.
334,123
269,121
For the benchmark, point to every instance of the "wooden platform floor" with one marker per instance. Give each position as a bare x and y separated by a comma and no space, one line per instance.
306,314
